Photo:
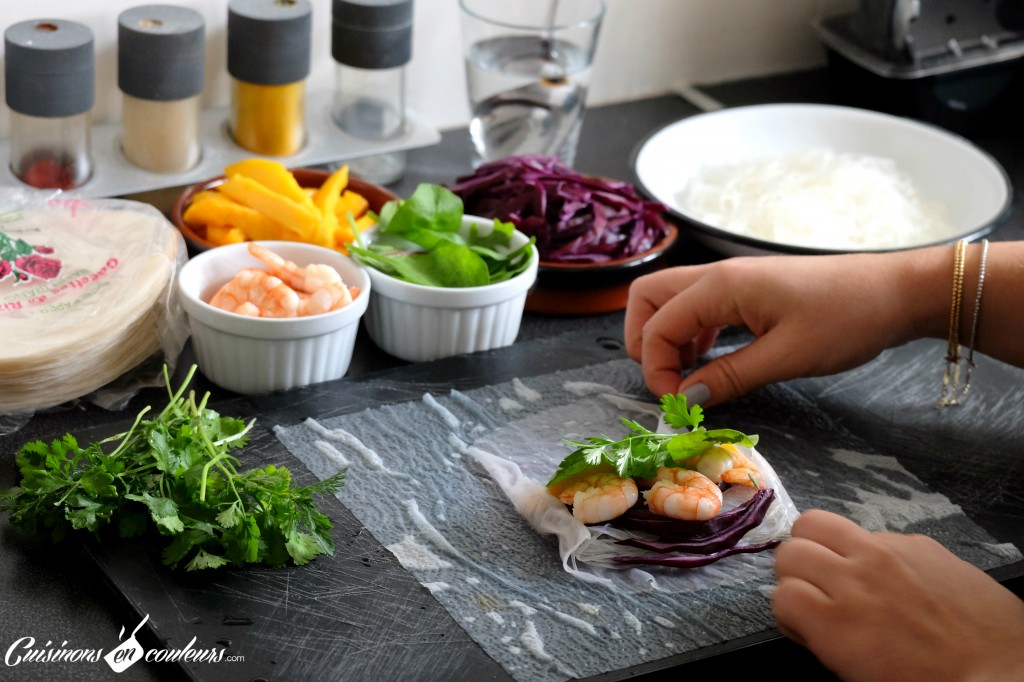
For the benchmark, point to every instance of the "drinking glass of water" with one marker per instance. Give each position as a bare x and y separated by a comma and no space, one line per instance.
527,70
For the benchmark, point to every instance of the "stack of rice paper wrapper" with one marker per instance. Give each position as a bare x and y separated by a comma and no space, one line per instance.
86,296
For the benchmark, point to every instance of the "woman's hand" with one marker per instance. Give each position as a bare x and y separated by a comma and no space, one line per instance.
882,606
812,316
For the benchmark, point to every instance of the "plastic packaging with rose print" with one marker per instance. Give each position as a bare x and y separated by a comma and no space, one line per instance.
88,309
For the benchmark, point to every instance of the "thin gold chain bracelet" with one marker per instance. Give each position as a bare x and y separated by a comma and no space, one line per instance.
951,375
974,320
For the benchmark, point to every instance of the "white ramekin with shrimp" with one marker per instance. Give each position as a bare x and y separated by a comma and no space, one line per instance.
272,315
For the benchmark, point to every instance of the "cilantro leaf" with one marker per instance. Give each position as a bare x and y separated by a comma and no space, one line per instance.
98,483
230,517
204,559
676,413
242,541
640,453
302,547
183,544
163,510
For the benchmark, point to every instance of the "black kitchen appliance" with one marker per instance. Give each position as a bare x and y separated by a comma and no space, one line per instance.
955,63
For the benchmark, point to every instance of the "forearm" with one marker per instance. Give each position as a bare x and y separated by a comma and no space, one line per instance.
929,285
1000,332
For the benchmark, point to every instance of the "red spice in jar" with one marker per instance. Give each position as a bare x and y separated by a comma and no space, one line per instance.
46,170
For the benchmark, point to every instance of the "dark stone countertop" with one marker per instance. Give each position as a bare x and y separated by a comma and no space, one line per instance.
58,594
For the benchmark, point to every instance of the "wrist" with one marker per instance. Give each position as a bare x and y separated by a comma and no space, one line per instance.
924,283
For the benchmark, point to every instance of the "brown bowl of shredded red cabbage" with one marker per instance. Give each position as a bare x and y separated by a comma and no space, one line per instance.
594,235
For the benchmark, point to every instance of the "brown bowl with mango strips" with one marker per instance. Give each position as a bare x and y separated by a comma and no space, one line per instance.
309,178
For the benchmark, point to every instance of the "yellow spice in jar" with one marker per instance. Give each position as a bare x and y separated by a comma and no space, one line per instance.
269,119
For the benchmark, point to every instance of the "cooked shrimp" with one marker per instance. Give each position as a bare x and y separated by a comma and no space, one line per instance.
321,282
249,309
743,471
713,462
744,476
683,494
598,497
255,288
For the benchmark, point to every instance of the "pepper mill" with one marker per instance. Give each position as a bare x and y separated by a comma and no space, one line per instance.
371,42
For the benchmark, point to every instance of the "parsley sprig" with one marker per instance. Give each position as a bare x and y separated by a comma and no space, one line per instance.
177,471
640,453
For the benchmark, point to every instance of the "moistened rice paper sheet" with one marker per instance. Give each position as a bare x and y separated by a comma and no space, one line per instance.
434,479
85,295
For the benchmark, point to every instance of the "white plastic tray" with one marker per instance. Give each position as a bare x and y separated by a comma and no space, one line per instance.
113,175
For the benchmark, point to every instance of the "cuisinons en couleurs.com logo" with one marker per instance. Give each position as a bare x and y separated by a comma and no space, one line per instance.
26,651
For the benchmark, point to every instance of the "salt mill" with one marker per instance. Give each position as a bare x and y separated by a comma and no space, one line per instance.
371,42
160,66
50,75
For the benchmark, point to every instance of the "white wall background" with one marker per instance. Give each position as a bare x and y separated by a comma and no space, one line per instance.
646,48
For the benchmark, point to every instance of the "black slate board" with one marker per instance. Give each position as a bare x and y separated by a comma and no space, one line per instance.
359,615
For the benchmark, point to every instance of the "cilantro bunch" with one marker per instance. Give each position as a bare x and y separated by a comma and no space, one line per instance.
176,473
419,240
639,454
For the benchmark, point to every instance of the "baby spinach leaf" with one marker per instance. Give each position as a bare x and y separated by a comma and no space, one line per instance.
419,240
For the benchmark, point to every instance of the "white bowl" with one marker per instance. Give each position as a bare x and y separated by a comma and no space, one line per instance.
416,323
257,355
944,167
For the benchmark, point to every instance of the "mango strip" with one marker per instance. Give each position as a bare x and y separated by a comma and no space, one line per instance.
261,200
272,175
350,201
213,209
297,217
326,198
224,234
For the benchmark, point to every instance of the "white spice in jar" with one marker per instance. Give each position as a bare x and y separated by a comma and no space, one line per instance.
160,61
162,137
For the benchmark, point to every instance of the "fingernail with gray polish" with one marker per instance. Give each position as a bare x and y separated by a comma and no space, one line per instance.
697,394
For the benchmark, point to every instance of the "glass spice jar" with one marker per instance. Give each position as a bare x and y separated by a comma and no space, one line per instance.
371,42
269,60
160,70
50,74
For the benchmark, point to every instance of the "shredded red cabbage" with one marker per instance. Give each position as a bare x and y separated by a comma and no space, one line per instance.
575,218
642,519
695,560
726,533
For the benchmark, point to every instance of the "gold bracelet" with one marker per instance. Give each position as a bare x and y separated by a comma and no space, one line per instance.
951,375
977,310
